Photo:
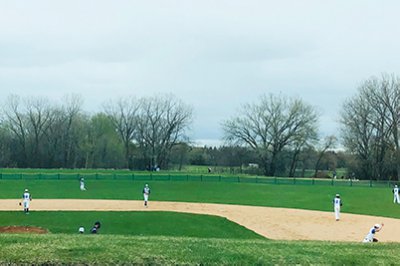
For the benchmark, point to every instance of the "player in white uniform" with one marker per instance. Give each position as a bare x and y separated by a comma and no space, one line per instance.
146,193
82,184
337,203
396,194
26,198
370,236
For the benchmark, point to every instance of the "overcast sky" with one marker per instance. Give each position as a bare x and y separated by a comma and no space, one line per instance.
214,55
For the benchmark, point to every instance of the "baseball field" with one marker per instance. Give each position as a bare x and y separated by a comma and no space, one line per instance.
195,223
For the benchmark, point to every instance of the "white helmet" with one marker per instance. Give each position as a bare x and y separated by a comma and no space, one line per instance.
377,226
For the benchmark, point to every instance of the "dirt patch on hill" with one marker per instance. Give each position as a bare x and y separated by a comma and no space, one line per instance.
22,230
273,223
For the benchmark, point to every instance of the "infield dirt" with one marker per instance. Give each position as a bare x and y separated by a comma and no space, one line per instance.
22,230
273,223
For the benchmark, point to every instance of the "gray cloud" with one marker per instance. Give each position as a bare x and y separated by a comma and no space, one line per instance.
214,55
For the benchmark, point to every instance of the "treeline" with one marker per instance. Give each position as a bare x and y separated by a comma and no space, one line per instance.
236,159
128,133
278,134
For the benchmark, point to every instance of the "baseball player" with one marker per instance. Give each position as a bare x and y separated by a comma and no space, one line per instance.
82,184
26,198
146,193
337,203
370,236
95,228
396,194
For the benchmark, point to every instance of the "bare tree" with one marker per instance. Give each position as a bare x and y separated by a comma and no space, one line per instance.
297,146
389,98
124,116
29,119
371,121
6,147
40,115
328,143
71,111
16,121
162,124
270,126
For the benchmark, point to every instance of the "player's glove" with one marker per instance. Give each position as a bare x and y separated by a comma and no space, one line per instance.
19,203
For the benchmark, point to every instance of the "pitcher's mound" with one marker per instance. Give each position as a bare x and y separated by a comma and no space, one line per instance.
22,229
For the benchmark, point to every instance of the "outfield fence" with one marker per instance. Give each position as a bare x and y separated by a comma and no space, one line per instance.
199,178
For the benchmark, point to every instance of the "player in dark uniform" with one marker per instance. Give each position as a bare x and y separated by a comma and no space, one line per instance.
96,227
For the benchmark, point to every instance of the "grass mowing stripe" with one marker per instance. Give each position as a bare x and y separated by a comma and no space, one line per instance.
132,223
115,249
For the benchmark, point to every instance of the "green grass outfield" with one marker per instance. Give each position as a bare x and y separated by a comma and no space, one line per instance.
235,245
358,200
145,176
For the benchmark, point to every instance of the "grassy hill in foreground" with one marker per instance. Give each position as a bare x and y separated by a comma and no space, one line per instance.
116,249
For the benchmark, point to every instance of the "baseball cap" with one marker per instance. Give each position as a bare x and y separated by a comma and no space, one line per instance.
337,195
377,225
26,189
